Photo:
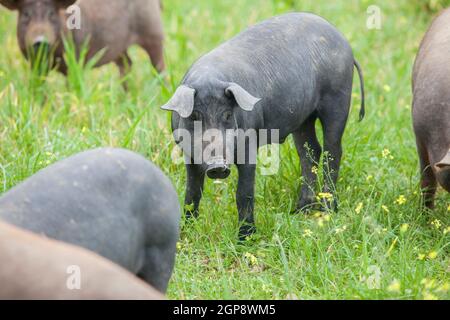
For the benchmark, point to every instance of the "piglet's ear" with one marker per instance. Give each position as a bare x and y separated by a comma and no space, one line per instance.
182,101
65,3
10,4
243,98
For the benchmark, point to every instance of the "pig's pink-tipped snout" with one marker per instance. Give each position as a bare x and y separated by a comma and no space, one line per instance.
40,35
40,46
444,164
217,169
443,172
40,41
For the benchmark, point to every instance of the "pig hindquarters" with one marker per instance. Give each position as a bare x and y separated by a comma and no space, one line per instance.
110,201
34,267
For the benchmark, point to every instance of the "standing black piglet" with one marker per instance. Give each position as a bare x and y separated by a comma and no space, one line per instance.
282,74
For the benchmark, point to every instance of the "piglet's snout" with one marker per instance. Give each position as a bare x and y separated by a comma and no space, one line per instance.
40,34
217,169
40,46
40,41
444,164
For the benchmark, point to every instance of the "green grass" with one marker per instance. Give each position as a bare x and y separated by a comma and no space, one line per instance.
356,254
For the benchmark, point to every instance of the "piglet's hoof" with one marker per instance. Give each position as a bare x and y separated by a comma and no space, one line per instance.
327,206
246,231
305,207
190,215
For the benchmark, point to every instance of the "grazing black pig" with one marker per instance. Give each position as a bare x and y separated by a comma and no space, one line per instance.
111,25
110,201
431,107
34,267
282,74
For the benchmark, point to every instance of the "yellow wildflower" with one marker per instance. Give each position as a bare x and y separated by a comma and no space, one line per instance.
307,233
395,286
436,223
429,296
325,196
314,170
359,208
385,208
421,256
340,230
432,255
404,227
401,200
386,153
251,258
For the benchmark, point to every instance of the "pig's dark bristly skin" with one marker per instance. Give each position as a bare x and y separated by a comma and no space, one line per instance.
110,201
290,70
431,107
35,267
110,25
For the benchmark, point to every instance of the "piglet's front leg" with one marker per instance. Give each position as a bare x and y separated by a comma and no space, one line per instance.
194,188
245,197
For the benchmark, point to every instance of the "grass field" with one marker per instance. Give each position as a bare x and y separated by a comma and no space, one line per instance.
378,246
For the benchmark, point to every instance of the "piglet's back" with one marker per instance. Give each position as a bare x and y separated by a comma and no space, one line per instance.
432,59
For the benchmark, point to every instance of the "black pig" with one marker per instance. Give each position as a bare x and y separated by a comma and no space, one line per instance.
110,201
282,74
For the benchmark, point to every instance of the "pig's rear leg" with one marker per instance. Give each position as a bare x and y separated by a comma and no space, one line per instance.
124,64
428,181
309,151
333,114
155,50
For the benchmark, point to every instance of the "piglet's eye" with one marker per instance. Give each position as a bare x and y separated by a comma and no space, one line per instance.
26,14
52,14
196,116
227,115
